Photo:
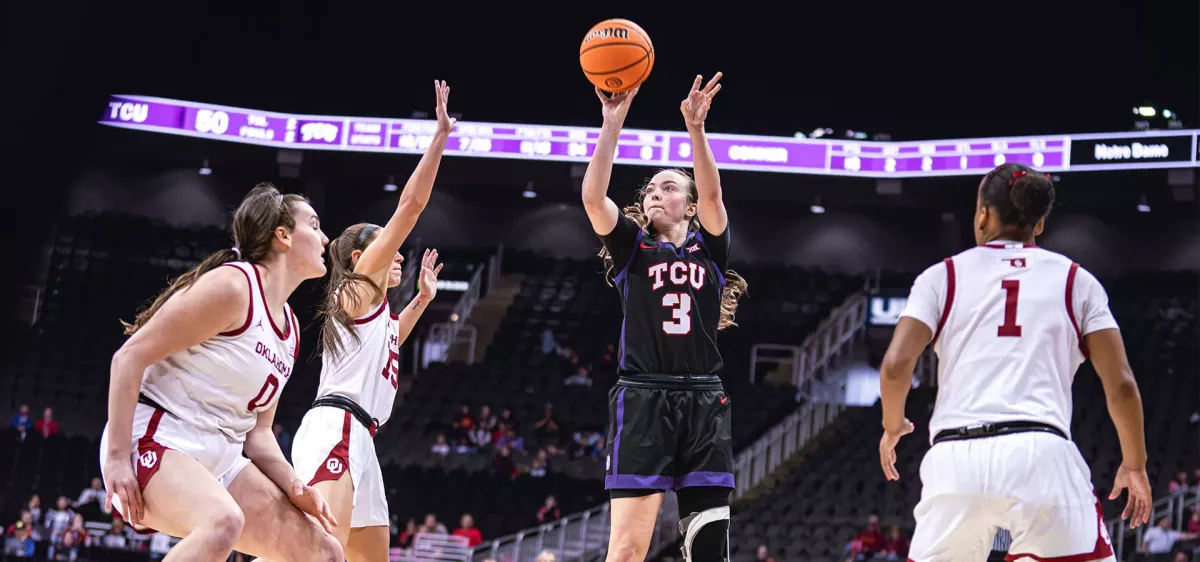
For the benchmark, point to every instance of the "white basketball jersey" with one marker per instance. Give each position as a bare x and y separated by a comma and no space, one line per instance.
366,371
1008,320
225,382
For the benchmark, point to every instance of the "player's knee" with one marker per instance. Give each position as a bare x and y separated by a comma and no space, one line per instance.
329,549
227,526
626,549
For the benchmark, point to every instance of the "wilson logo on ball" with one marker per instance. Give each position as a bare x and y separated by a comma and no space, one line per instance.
612,32
613,82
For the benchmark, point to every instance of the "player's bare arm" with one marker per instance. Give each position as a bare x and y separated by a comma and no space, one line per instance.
710,206
601,210
430,269
216,303
895,380
1125,406
263,450
376,260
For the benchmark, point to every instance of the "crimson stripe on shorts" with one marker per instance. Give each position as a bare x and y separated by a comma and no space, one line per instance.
1100,551
949,299
249,304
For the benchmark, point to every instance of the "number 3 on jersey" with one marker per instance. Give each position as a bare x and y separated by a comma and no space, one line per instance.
1010,329
681,313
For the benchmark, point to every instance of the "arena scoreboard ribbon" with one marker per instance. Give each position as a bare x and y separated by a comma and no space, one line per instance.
905,159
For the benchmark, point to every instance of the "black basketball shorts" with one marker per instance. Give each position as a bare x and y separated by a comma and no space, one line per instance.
668,438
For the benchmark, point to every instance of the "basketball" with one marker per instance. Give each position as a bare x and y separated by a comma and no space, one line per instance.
616,55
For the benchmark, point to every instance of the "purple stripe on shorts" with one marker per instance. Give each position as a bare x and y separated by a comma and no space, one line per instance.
616,443
636,482
723,479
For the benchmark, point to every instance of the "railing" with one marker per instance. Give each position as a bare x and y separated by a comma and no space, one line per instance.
444,334
760,459
431,547
569,538
494,264
819,348
1174,506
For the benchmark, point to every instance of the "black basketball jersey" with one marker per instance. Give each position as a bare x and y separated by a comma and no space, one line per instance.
671,298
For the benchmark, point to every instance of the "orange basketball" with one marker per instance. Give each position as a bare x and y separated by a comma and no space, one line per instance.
616,55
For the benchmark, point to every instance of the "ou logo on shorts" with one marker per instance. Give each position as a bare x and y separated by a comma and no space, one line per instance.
148,459
334,465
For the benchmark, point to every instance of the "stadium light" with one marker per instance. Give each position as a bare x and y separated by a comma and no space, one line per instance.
529,193
816,207
204,169
1143,207
391,184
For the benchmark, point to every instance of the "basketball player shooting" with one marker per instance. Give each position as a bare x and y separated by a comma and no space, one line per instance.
670,426
1011,323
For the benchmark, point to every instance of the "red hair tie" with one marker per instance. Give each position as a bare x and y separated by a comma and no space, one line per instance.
1016,174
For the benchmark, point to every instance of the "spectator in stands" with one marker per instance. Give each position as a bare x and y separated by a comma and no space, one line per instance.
1193,525
34,507
546,429
20,544
78,532
511,440
545,556
440,446
581,378
1196,479
467,529
481,436
92,494
540,466
585,443
503,464
507,418
763,554
160,545
405,538
58,519
549,345
461,429
64,549
117,537
868,542
609,359
26,520
1179,486
46,426
1181,556
21,420
433,526
1160,539
896,546
549,511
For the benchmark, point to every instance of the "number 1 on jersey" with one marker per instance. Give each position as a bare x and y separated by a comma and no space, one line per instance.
1010,329
681,313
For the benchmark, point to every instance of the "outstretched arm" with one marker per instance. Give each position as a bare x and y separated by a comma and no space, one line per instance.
376,260
710,207
428,277
601,210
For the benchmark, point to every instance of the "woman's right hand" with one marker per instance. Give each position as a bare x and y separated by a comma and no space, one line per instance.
120,480
614,108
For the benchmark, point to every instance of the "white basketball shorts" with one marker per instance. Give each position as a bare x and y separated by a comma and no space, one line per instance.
1034,484
328,441
155,431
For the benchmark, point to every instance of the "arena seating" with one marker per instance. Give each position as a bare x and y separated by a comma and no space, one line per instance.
825,501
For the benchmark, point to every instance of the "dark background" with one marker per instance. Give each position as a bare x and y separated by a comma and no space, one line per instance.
911,69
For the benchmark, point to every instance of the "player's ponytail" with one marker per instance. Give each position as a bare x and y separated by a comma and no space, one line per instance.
735,285
341,275
1019,194
262,211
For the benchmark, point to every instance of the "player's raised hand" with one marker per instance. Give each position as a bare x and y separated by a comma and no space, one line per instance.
696,105
430,269
309,500
614,108
445,122
1140,504
887,450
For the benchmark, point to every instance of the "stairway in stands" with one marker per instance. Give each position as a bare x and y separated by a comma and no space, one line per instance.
488,314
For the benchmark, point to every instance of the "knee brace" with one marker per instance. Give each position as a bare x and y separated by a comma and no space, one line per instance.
706,535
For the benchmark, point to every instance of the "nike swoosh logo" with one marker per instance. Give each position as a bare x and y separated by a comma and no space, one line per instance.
646,247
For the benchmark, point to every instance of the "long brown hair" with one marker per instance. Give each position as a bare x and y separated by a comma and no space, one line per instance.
735,285
254,222
342,274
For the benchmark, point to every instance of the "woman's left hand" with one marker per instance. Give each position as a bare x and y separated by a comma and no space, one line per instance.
695,106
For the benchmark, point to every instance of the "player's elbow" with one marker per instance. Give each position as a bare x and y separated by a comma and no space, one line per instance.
411,205
896,367
1123,389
